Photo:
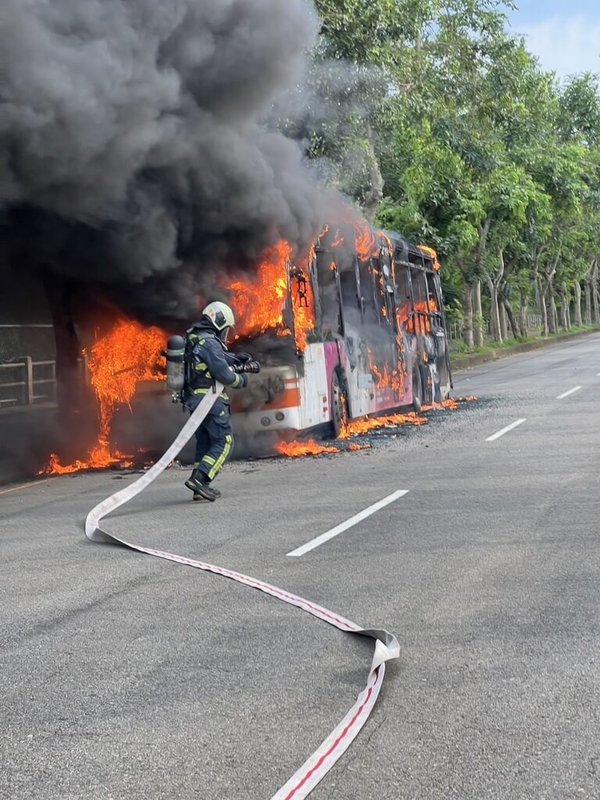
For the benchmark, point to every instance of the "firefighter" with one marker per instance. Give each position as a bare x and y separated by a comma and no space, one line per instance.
208,360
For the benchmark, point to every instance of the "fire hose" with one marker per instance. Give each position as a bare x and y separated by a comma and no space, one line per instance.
335,745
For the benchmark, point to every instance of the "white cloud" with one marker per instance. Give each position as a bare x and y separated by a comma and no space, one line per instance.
565,44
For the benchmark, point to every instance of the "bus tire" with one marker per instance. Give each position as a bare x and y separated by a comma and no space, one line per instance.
417,389
339,404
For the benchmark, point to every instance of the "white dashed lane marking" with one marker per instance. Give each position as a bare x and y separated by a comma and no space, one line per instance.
349,523
508,428
566,394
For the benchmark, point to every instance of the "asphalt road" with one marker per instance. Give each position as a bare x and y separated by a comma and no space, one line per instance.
127,677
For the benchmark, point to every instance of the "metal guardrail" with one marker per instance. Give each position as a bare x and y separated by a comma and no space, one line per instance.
25,382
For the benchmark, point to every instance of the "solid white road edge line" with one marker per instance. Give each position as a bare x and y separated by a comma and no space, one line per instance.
571,391
349,523
508,428
23,486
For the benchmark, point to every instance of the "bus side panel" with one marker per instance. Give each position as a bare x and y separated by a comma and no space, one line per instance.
388,399
332,361
315,386
395,390
407,395
408,358
359,381
270,403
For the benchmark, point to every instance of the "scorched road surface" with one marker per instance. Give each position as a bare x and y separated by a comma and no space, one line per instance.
128,677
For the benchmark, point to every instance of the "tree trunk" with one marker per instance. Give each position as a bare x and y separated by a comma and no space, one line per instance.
549,301
550,306
548,311
496,314
541,294
502,318
468,315
553,314
588,302
477,315
577,307
511,317
375,194
564,308
594,292
567,294
494,311
523,318
479,257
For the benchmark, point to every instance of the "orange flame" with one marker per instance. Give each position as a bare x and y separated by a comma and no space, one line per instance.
356,427
259,300
308,448
386,377
429,251
420,322
118,361
366,239
367,245
449,404
303,307
338,241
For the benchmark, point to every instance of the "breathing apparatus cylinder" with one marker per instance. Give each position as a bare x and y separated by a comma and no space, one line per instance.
175,355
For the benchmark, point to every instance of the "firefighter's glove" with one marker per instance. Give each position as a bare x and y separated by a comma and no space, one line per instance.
243,358
248,366
242,381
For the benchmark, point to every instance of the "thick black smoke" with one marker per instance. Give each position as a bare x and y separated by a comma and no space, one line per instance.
131,152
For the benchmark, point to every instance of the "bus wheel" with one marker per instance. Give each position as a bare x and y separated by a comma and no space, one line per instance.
417,389
339,405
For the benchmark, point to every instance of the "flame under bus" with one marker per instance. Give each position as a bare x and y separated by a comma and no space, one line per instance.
363,333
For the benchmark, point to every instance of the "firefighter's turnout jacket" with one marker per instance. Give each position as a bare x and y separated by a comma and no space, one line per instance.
207,360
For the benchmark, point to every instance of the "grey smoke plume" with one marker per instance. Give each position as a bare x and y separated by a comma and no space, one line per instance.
328,111
131,149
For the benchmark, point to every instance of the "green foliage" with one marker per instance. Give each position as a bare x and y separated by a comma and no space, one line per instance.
484,155
360,31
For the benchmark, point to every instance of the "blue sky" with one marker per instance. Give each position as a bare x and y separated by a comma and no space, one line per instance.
564,35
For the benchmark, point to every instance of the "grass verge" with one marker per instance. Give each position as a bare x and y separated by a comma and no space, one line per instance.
462,357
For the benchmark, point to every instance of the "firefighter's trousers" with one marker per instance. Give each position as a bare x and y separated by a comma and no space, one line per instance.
214,437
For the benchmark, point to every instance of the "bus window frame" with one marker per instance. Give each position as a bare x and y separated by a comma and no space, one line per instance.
339,330
415,322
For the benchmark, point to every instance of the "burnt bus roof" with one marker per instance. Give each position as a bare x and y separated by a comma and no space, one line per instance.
407,252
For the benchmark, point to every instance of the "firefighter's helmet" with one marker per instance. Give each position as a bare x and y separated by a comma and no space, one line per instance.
219,315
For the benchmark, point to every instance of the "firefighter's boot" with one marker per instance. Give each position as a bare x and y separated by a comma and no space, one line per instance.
199,485
216,492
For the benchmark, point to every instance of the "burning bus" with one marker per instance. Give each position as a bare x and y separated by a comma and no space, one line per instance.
354,329
127,212
360,331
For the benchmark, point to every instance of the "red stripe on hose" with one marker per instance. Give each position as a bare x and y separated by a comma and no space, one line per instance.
274,590
336,744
